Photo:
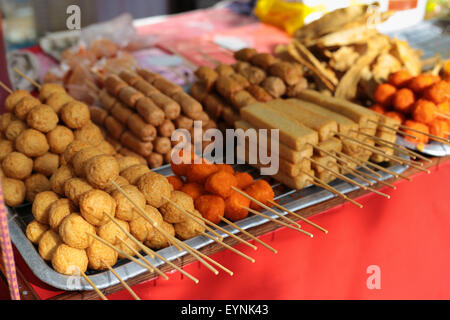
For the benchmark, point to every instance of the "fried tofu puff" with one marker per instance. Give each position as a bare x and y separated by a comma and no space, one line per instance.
72,150
190,228
50,240
75,114
32,143
159,241
100,256
93,205
171,213
156,188
57,100
234,204
14,129
59,138
41,205
16,165
42,118
69,261
6,147
141,228
125,210
221,183
74,231
48,89
133,173
46,164
80,159
261,191
58,210
59,178
13,191
35,230
126,162
75,187
89,133
34,184
14,98
101,170
211,207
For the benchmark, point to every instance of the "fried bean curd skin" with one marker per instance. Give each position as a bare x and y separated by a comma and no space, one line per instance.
221,183
13,191
59,138
384,93
133,173
89,133
42,118
171,213
24,106
155,188
234,206
70,261
75,114
59,178
125,210
190,228
81,158
93,205
32,143
35,184
261,191
75,187
159,241
46,164
35,230
74,231
100,256
176,182
101,170
58,210
193,189
211,207
244,179
14,98
17,166
48,244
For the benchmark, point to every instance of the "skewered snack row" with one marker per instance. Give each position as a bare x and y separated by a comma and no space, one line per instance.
35,133
420,103
254,77
141,110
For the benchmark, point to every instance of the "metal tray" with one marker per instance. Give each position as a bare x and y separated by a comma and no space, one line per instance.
435,149
293,200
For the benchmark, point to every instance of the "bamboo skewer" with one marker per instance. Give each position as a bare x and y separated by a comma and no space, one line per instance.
358,162
442,115
395,174
248,234
93,285
391,145
23,75
387,184
126,286
394,129
266,207
5,87
298,216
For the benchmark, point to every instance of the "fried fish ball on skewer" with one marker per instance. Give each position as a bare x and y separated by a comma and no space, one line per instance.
59,178
211,207
47,164
13,191
101,170
106,148
72,149
89,133
126,162
17,166
75,114
41,205
171,213
14,129
156,188
261,191
234,206
69,261
14,98
48,244
5,120
48,89
120,181
59,138
159,241
190,228
58,210
74,188
424,111
100,255
80,159
74,231
24,106
125,210
35,184
141,228
221,183
93,204
32,143
133,173
35,230
111,232
6,147
181,162
57,100
42,118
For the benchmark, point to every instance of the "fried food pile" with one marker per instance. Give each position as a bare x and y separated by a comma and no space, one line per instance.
35,134
346,56
211,187
140,110
419,102
254,77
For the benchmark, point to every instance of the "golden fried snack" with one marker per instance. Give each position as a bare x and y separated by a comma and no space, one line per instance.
211,207
93,204
189,105
142,229
141,129
286,72
166,87
73,148
57,211
48,89
120,181
114,127
162,145
133,143
133,173
126,162
293,91
199,91
80,159
5,120
176,182
120,112
183,122
155,160
155,188
159,241
166,128
57,100
207,76
59,138
234,206
224,69
98,115
274,86
50,240
69,261
16,165
75,114
101,170
150,112
14,129
241,99
130,96
14,98
46,164
41,205
221,183
146,88
59,178
111,232
226,86
106,148
13,191
100,254
128,153
245,54
171,213
24,106
6,147
125,248
89,133
107,101
75,187
125,210
32,143
35,184
74,230
188,229
170,107
42,118
263,60
259,93
35,230
114,84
